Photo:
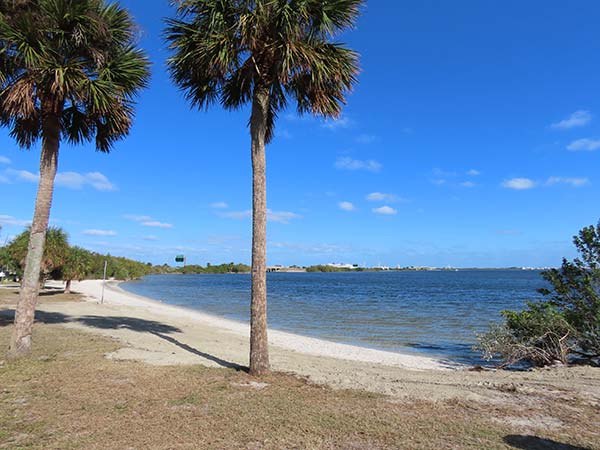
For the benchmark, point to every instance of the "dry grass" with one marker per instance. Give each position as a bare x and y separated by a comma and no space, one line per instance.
66,395
9,296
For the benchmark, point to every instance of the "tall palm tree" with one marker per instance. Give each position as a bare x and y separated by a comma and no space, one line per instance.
263,52
69,71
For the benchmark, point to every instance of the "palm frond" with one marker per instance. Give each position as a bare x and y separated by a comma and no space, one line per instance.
80,57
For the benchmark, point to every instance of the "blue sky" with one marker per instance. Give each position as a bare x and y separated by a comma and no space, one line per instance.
472,139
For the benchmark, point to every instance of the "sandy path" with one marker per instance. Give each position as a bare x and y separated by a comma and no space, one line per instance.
161,334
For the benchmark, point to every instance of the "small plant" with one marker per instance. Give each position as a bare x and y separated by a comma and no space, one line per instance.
564,326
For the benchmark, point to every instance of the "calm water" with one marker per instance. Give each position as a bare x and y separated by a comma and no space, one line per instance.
437,313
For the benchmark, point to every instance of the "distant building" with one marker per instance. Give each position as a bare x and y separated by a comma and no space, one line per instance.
343,266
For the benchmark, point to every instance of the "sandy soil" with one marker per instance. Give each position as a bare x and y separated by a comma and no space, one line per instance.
161,334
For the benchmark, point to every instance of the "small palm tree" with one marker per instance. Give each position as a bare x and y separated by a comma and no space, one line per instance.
76,267
263,52
69,71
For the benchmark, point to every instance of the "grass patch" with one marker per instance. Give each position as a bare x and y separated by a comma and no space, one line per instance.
66,395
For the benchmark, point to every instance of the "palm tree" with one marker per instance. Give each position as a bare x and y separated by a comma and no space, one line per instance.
69,71
76,267
56,251
263,52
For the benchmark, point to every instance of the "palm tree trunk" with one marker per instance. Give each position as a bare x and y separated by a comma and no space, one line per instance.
259,344
68,287
24,315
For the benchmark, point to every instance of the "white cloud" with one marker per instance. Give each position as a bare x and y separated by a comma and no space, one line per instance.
10,220
366,139
147,221
347,163
70,180
237,215
336,124
273,216
23,175
150,238
577,119
4,160
157,224
346,206
473,173
468,184
385,211
584,145
4,180
219,205
575,182
99,232
382,197
281,216
518,184
99,181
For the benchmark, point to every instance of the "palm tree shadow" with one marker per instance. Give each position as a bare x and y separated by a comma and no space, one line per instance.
219,361
525,442
158,329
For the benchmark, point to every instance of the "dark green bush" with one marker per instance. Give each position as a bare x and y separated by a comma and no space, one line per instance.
564,326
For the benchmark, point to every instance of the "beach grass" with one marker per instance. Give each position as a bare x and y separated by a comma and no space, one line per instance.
67,395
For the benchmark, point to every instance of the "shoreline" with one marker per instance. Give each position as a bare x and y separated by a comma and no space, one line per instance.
116,295
154,333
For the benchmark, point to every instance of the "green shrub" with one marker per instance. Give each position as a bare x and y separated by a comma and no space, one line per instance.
566,324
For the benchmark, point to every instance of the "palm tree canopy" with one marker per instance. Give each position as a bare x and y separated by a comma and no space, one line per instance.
56,249
224,49
75,59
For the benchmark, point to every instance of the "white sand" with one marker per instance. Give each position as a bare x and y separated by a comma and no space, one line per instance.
114,295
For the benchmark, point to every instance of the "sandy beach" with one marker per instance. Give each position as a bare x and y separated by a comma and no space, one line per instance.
161,334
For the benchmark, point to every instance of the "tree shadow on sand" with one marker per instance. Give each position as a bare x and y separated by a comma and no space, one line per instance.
158,329
536,443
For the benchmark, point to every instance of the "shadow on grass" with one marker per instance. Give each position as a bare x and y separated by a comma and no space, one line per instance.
158,329
536,443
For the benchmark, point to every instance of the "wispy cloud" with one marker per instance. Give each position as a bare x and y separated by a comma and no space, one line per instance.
383,197
346,206
284,217
519,184
150,238
219,205
281,216
10,220
468,184
157,224
385,211
578,119
366,139
584,145
99,232
4,160
336,124
147,221
347,163
473,173
70,180
572,181
237,215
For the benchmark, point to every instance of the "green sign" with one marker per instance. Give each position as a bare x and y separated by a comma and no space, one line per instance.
180,258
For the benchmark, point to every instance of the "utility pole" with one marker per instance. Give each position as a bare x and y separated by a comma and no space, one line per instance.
103,282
